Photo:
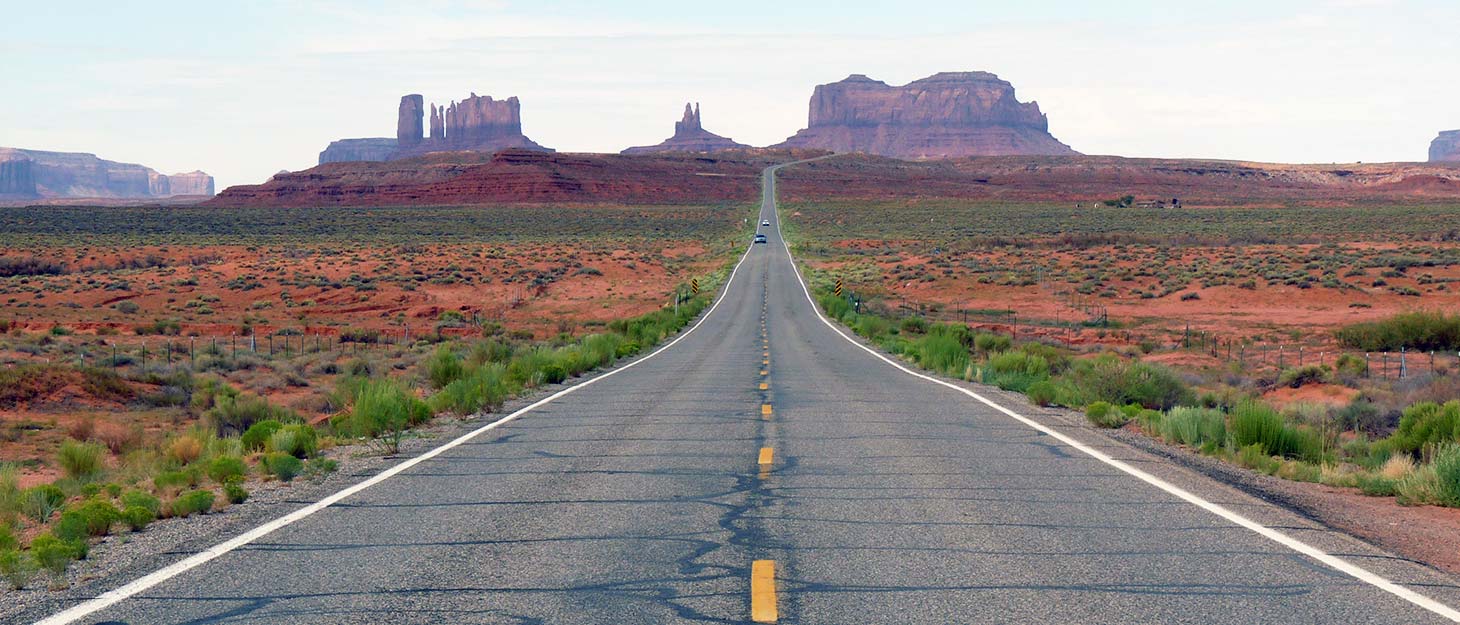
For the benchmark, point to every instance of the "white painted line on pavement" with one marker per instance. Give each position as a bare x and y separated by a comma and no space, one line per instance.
109,598
1353,570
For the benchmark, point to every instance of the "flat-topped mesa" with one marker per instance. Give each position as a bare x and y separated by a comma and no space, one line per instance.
949,114
1446,147
63,175
689,136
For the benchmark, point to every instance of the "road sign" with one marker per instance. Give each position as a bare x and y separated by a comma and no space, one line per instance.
694,285
838,290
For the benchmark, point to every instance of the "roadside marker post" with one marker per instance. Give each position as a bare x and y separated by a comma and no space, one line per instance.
838,290
694,285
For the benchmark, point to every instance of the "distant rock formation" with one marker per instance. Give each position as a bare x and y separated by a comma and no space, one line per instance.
408,121
191,183
689,136
1446,147
41,174
476,124
17,177
950,114
346,150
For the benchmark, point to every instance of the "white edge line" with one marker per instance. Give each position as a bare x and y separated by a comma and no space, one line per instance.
1353,570
117,595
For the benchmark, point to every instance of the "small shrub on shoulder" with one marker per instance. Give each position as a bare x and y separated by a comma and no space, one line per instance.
443,367
54,554
15,568
224,468
192,502
140,499
1194,427
99,515
1102,414
234,491
256,437
1042,393
283,466
137,517
1426,423
1447,472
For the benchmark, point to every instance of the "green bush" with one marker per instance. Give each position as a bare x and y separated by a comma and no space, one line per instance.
144,500
1255,423
443,367
1447,470
79,461
173,480
554,373
1255,457
137,517
256,438
1426,423
1420,330
1310,374
1042,392
1108,378
193,502
942,352
383,410
240,413
7,538
283,466
992,343
1351,366
98,514
1016,370
54,554
296,439
485,388
15,568
1102,414
41,501
1376,485
235,492
223,468
1194,427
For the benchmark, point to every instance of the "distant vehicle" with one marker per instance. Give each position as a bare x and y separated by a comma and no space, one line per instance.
760,238
765,222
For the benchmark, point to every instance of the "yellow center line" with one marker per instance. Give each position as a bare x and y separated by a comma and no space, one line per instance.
763,592
765,410
767,457
764,386
766,361
765,372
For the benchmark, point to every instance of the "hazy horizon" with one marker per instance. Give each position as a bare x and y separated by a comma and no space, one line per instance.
244,91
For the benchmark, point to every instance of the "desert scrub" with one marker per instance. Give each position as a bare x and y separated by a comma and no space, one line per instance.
485,388
1425,424
1254,423
224,468
1199,428
257,436
80,461
192,502
1104,415
382,412
1419,330
284,467
1310,374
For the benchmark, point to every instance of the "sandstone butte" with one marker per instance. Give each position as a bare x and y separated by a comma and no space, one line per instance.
475,124
949,114
689,136
39,174
1446,147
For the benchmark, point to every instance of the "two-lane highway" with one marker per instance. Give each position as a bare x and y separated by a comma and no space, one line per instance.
766,466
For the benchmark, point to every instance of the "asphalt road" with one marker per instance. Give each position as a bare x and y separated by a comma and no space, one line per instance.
889,499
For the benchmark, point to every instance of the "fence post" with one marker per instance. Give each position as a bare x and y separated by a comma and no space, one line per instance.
1403,363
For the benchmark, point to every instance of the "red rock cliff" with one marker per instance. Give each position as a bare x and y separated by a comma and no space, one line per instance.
945,115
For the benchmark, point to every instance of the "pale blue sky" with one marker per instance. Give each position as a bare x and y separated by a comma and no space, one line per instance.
244,91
